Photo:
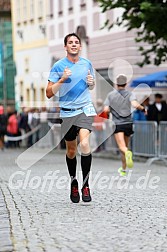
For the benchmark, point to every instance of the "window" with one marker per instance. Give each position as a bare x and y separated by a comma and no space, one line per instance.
61,30
52,32
71,25
42,94
109,16
96,21
50,11
83,4
34,95
9,51
31,10
60,7
18,13
70,6
21,87
95,2
40,9
25,11
21,91
26,65
28,96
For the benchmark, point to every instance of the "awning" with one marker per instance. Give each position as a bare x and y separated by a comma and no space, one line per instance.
154,80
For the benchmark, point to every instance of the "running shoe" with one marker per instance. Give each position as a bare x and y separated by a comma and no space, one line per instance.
122,172
129,160
86,194
74,196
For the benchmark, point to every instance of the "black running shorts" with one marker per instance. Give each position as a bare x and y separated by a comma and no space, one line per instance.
126,128
71,125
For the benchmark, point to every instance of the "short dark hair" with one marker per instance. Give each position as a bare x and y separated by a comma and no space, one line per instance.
158,96
70,35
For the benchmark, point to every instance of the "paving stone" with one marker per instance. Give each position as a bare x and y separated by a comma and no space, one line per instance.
123,216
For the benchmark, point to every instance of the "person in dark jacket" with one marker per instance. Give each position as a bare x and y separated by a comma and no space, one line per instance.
3,127
158,110
24,126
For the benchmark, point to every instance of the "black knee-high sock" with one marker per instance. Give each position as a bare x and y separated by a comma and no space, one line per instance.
71,164
85,165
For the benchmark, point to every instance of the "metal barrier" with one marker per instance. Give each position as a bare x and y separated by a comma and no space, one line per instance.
150,140
44,136
163,139
107,137
161,144
55,134
144,140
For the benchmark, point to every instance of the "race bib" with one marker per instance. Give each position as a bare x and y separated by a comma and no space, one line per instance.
89,110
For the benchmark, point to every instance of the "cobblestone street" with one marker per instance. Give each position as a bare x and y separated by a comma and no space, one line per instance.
125,215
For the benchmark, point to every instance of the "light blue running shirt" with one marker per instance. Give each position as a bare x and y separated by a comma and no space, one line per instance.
74,92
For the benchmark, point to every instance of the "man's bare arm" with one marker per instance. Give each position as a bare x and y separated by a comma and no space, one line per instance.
106,109
137,105
53,88
90,80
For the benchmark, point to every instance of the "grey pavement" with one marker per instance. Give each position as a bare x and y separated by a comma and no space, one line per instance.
125,215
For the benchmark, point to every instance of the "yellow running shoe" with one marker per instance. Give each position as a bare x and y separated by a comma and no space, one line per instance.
122,172
129,160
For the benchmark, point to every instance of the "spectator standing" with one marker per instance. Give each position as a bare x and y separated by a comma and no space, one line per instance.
158,110
12,128
3,127
24,126
35,122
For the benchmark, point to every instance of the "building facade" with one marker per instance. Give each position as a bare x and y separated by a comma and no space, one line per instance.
111,51
39,28
7,66
31,52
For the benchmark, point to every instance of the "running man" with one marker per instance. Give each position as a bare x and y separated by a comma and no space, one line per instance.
73,77
119,103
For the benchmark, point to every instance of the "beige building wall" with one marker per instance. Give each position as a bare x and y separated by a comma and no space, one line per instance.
31,52
113,49
39,28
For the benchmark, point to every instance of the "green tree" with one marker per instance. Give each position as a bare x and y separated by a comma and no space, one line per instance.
149,17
